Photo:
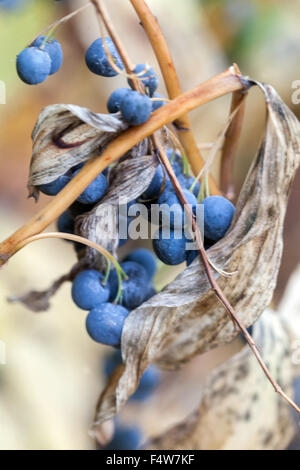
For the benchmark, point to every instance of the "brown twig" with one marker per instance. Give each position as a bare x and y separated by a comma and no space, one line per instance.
231,143
168,70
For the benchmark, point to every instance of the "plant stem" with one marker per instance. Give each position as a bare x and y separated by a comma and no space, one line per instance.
231,143
224,83
168,70
57,23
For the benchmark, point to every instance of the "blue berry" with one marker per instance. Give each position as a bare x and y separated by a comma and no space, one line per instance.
176,161
134,289
65,223
145,258
135,108
88,291
150,293
125,438
170,204
148,77
53,48
97,61
114,101
105,322
157,104
218,215
170,248
95,190
33,65
53,188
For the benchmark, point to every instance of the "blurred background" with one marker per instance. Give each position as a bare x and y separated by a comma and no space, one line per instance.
53,375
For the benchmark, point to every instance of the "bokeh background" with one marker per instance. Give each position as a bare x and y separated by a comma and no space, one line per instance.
53,374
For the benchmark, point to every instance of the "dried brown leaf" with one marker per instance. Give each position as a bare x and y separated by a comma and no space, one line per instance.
186,318
66,135
238,409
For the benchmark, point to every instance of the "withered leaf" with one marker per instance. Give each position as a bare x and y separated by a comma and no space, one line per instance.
128,180
186,318
66,135
238,409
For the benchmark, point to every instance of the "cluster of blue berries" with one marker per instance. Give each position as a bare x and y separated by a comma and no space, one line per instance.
42,58
134,106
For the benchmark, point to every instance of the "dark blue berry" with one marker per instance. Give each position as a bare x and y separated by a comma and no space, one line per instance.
134,289
192,254
104,323
170,246
95,190
145,258
147,76
53,48
135,108
114,101
218,215
97,61
33,65
53,188
88,291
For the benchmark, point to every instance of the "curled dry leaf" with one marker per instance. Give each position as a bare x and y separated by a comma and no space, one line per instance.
186,318
66,135
238,409
128,180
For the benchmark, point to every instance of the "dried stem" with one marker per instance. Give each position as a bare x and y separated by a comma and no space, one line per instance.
231,143
168,70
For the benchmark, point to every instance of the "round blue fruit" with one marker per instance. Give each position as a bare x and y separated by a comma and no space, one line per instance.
88,291
135,108
170,246
97,60
114,101
95,190
53,188
125,438
147,76
170,206
191,255
145,258
134,289
33,65
53,48
176,161
105,322
218,215
158,104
